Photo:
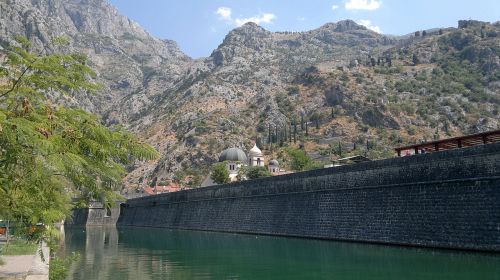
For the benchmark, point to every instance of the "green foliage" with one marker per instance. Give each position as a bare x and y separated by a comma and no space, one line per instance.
58,269
415,59
293,90
19,247
389,70
300,161
220,174
50,153
285,106
254,172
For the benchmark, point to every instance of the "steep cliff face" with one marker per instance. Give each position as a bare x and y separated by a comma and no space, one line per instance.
127,59
356,89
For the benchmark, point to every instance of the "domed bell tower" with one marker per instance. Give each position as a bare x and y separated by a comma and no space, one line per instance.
256,158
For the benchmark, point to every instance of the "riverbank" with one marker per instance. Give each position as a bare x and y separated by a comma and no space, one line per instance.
26,266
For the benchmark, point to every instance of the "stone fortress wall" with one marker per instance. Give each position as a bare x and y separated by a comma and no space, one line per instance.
95,215
448,199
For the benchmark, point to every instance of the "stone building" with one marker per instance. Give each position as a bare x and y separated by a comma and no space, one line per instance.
235,158
274,166
256,158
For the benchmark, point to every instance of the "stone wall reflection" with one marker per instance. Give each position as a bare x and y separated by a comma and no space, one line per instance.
150,253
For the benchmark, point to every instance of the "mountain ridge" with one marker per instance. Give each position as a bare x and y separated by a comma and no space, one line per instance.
350,84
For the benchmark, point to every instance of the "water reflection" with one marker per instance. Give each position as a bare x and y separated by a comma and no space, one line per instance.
145,253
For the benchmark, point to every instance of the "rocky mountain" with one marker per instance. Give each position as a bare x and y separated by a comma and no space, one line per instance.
127,58
356,91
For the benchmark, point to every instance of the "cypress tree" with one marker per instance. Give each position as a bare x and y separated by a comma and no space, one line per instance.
270,138
294,132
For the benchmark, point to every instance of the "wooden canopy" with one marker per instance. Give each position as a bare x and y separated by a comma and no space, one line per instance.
451,143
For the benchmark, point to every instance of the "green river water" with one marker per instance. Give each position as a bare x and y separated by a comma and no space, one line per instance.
149,253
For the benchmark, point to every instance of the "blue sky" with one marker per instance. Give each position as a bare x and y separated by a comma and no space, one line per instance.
199,26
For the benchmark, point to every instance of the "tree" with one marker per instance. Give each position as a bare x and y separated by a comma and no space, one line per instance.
254,172
294,132
389,60
50,153
220,174
415,59
417,33
300,160
424,33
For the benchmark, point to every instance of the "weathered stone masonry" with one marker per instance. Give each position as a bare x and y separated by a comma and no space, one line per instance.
449,199
95,215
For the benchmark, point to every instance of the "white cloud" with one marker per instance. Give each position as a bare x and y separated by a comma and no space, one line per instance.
334,7
262,18
368,24
301,18
363,4
225,13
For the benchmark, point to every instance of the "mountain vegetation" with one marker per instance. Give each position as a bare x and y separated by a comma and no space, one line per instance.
334,91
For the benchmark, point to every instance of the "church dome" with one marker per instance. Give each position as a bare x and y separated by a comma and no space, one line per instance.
233,154
273,162
255,152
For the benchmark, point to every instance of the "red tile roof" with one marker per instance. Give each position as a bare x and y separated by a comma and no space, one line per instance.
163,189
